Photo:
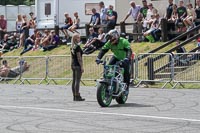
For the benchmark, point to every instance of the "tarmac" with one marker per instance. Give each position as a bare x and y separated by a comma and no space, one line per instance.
51,109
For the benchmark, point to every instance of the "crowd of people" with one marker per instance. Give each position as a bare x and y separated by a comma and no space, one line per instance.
36,40
146,22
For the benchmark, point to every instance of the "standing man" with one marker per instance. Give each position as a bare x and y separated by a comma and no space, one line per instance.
197,10
137,24
111,18
103,13
143,10
182,13
95,18
168,15
3,26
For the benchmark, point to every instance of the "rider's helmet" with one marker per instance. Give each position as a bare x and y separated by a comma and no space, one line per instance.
113,36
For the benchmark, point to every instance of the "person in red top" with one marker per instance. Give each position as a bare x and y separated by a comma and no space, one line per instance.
68,23
3,26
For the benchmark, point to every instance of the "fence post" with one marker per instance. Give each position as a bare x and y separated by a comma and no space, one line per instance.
87,26
150,69
56,28
122,27
164,31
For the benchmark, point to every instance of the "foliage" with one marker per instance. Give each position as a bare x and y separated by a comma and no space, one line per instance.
17,2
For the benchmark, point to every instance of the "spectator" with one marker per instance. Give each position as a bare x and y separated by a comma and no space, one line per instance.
29,43
197,10
180,49
149,17
32,16
103,13
168,16
156,33
143,10
45,40
95,43
111,18
68,23
137,24
174,14
37,41
92,35
95,18
53,42
19,22
10,44
180,58
191,16
76,23
4,41
16,71
4,69
172,21
32,23
3,26
181,13
23,29
151,34
77,67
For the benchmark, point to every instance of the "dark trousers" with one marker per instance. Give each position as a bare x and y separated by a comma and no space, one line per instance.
126,66
110,25
76,80
2,33
170,26
177,22
27,46
49,47
156,34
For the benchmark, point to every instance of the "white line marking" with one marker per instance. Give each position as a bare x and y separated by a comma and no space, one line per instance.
100,113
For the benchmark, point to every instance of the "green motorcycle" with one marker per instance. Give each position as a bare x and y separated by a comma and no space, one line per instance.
112,85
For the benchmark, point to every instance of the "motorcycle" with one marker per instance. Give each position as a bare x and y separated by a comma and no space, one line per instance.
111,85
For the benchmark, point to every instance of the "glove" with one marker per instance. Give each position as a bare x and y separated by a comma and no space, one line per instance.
126,60
98,61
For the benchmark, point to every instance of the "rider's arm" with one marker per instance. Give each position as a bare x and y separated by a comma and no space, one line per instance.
127,48
104,50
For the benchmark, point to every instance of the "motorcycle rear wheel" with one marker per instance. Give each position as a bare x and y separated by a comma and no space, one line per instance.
103,97
121,99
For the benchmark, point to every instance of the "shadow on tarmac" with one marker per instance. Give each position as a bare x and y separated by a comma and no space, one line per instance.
129,105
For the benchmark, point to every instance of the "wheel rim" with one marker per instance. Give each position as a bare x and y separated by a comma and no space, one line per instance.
106,98
124,97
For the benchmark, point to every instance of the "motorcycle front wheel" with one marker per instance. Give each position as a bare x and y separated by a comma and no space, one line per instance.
103,97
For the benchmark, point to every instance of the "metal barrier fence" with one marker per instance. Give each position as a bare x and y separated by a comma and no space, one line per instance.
168,69
37,70
52,68
147,69
186,68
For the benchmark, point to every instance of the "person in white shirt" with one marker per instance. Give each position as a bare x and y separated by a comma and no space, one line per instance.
137,26
103,12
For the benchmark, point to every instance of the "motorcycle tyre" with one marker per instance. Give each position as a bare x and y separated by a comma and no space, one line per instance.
121,99
101,95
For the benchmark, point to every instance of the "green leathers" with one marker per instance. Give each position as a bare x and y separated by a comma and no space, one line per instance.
120,50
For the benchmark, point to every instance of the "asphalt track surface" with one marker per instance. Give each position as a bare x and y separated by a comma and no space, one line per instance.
50,109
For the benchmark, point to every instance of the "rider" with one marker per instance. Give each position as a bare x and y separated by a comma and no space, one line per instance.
121,50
